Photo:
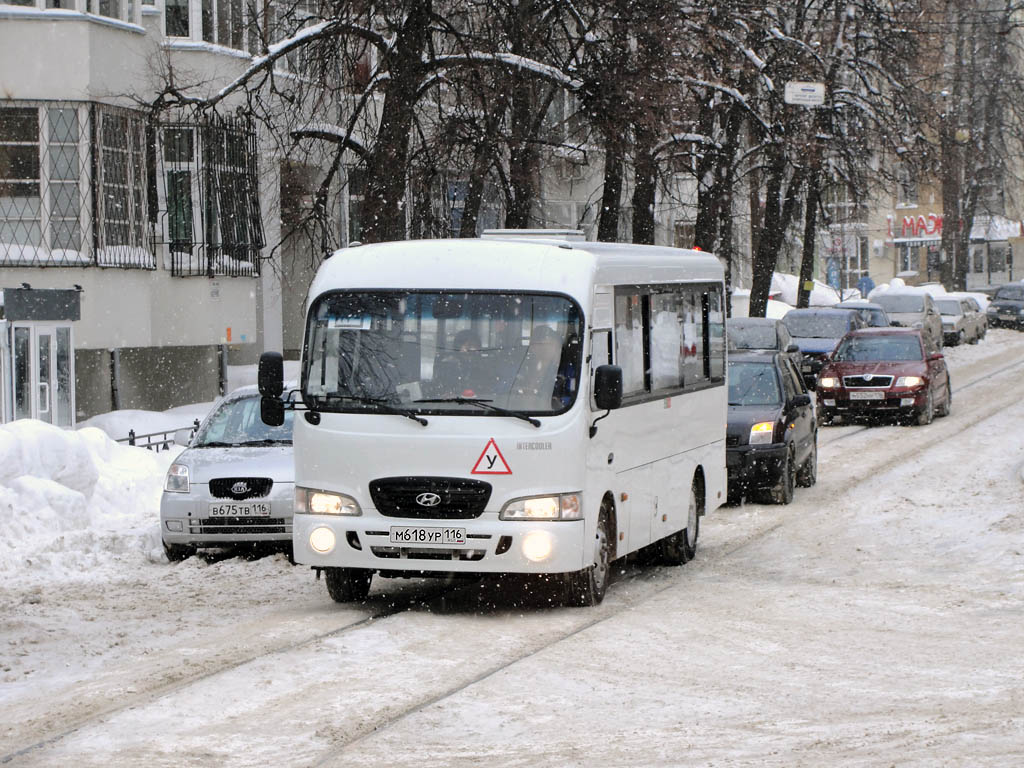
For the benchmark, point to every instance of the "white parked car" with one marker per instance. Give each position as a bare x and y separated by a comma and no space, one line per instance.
234,483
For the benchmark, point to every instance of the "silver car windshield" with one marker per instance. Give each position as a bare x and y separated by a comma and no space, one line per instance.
948,307
237,422
440,352
904,304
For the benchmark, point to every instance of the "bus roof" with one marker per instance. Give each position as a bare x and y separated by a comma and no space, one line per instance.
517,265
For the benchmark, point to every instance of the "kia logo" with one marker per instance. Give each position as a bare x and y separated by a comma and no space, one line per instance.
240,488
428,499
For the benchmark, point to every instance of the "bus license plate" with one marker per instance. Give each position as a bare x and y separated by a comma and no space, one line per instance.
416,535
867,395
250,509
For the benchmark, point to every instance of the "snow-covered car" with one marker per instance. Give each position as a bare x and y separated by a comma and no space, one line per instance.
234,483
761,333
873,315
912,310
961,321
817,330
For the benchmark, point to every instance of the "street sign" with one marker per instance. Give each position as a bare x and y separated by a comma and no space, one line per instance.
805,94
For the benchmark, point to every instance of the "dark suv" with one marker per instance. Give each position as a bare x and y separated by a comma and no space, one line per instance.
1007,307
772,434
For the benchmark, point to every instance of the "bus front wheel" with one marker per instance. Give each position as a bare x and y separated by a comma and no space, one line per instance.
348,585
587,587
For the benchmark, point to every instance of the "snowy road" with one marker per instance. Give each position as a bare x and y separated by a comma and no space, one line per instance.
877,620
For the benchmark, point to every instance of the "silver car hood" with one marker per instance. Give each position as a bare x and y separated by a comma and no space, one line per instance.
276,462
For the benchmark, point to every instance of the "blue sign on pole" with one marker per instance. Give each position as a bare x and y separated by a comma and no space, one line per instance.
832,273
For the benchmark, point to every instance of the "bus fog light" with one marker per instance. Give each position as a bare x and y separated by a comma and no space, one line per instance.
537,546
322,540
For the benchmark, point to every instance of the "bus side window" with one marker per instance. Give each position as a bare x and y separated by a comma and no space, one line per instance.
600,349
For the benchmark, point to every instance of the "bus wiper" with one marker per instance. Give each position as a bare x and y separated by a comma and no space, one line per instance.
482,404
384,405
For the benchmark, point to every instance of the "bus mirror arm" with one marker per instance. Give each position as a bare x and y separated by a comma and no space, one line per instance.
593,427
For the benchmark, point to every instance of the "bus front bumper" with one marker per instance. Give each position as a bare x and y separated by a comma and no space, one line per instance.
491,545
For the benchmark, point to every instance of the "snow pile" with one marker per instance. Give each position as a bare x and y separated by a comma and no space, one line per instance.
898,285
822,295
117,424
72,501
741,305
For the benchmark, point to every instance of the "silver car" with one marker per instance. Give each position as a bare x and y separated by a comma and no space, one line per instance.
960,321
912,310
234,483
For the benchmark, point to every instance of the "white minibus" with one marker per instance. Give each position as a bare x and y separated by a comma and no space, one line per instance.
505,405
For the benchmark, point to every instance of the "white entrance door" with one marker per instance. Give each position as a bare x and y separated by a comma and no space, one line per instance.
43,373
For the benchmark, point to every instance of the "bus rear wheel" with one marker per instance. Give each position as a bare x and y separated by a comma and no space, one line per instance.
587,587
348,585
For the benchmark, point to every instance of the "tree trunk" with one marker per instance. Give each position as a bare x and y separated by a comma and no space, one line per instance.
611,195
645,171
810,238
385,199
778,214
483,157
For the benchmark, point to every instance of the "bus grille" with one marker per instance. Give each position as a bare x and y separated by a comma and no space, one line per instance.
434,498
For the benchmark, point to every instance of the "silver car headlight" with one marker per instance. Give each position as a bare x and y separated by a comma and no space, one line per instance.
564,506
177,479
313,502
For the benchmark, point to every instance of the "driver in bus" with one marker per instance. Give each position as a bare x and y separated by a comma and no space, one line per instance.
534,385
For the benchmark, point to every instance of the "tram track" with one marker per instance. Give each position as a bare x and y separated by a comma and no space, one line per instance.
652,581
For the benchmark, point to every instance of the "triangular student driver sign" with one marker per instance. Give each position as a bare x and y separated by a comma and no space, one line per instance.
491,462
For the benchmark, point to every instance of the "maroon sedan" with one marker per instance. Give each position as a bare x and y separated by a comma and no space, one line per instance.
889,373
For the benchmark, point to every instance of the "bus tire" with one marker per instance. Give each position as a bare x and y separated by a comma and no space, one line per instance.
681,547
347,585
587,587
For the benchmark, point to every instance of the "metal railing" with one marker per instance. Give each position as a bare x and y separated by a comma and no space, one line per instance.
157,441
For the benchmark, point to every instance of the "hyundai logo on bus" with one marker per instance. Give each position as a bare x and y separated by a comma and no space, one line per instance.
428,499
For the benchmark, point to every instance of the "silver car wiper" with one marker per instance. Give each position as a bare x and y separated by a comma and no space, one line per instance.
486,404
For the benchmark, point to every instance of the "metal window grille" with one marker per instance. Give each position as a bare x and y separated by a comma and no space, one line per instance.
210,213
73,187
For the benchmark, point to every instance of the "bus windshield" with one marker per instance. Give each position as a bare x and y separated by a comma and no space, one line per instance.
437,352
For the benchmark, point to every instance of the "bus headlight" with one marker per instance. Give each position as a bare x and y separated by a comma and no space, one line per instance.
321,540
565,506
310,502
537,546
177,479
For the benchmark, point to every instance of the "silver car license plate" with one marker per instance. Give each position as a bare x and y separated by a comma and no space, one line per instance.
867,395
446,537
239,509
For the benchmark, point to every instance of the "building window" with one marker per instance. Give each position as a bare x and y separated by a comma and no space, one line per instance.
908,258
210,197
176,18
72,186
685,234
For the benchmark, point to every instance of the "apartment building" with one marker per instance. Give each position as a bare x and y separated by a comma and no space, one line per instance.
134,253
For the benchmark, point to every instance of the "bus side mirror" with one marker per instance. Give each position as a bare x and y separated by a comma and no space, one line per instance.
608,387
272,411
270,376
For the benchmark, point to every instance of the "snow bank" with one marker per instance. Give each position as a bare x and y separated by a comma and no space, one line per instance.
741,305
822,295
117,424
72,502
898,284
